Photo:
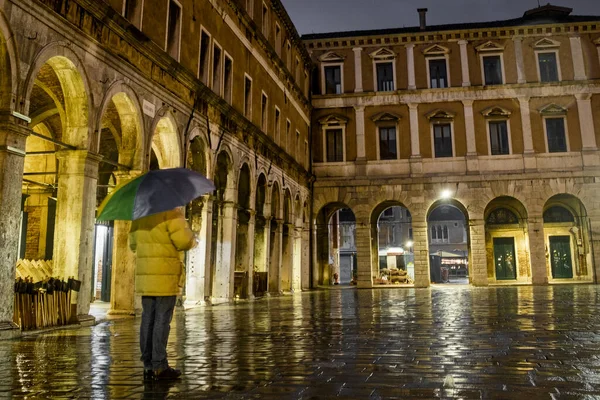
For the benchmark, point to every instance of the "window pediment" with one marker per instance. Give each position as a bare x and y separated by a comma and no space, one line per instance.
333,119
385,117
553,109
489,46
546,43
383,54
495,111
436,50
440,115
331,56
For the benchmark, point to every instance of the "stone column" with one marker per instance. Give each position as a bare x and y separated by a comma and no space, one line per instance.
477,253
361,158
287,254
12,159
250,269
358,87
363,253
276,233
305,260
577,56
595,244
225,257
537,250
262,244
472,160
518,43
198,259
122,286
410,63
75,216
586,121
420,250
297,260
416,162
528,152
320,274
464,63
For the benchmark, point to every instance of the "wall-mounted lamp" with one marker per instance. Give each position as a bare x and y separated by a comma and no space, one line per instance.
446,194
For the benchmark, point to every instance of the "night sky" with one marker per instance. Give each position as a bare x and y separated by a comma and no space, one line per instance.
319,16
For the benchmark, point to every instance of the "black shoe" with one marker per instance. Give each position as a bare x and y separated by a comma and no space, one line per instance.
167,374
148,375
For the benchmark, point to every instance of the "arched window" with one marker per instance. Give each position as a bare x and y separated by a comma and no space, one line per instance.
558,214
502,216
445,233
433,233
439,232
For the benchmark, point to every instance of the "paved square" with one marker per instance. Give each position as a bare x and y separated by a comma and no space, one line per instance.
444,342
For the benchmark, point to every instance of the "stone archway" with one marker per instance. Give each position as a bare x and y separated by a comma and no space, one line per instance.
507,241
166,146
275,241
567,240
58,102
335,245
448,242
297,245
261,239
120,143
243,255
392,261
287,243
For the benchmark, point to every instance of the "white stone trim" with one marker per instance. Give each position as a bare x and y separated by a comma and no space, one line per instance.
464,63
428,68
546,43
388,124
586,122
508,133
249,115
518,43
177,3
537,64
332,64
415,150
469,127
481,56
556,116
526,124
358,87
577,57
431,134
410,64
360,132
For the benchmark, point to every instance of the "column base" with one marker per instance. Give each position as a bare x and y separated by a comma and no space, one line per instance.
530,162
9,330
416,165
472,164
591,157
86,320
121,312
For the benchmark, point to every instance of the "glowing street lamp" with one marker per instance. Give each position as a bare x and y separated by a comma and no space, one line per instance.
446,194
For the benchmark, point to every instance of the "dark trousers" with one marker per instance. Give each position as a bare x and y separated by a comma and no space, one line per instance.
154,331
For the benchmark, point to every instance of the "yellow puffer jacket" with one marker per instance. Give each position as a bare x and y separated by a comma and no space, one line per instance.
157,240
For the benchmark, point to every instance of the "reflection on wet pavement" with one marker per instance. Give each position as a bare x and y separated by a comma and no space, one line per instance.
444,342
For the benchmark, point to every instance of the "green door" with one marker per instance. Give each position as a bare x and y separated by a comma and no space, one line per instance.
560,257
504,258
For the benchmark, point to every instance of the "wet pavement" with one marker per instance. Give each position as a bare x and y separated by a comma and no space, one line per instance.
443,342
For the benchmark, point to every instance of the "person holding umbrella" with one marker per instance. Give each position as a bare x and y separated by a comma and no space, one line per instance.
159,232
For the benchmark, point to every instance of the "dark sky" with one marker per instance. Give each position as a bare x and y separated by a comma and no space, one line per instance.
318,16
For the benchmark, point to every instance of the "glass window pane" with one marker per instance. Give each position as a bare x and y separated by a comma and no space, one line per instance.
438,73
442,139
499,137
548,67
333,80
385,77
492,70
555,129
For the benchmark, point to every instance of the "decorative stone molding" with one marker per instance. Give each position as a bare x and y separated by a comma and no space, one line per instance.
495,111
383,54
436,50
331,56
553,109
440,115
546,43
333,119
385,117
489,46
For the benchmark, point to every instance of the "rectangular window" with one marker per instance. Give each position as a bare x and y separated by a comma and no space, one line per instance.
297,144
438,74
173,29
387,143
442,140
278,39
216,83
277,127
333,79
335,149
306,160
247,97
385,77
265,20
203,67
263,112
492,70
250,7
288,56
306,83
228,79
498,138
548,67
557,140
132,11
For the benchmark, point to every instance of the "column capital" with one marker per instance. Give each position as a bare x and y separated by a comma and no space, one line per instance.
357,49
413,106
517,38
359,108
409,46
523,98
583,96
463,42
467,102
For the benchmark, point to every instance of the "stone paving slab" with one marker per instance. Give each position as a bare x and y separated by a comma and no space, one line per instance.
468,343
